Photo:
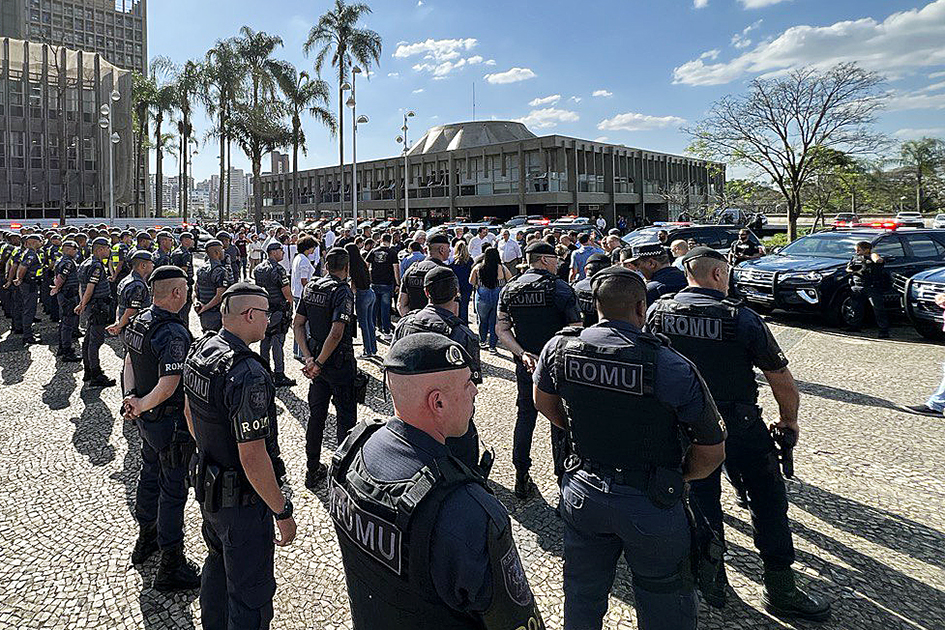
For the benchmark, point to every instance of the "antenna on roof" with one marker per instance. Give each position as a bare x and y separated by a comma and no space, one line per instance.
474,101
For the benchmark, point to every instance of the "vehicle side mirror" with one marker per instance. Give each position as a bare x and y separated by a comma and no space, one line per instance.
777,250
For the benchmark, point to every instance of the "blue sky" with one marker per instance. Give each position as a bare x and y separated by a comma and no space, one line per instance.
628,71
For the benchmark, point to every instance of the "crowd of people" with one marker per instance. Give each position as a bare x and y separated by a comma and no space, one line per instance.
632,421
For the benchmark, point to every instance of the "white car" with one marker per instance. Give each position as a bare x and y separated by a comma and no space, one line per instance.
938,222
910,219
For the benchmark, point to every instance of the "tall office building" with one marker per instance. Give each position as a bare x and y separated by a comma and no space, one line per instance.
280,163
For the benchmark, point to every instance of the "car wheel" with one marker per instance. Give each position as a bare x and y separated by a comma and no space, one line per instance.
930,330
846,312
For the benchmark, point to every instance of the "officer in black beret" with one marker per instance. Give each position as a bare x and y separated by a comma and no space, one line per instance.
726,340
582,288
442,553
532,308
623,397
143,240
441,316
183,257
212,280
133,293
26,281
324,331
656,265
412,295
157,343
7,251
162,255
231,255
271,275
97,298
231,412
66,291
118,268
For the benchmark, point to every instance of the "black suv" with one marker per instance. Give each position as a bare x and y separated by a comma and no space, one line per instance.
718,237
918,300
810,274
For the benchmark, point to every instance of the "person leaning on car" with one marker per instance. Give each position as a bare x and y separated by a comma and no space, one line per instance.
867,284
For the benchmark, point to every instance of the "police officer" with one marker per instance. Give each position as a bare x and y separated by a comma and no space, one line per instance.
726,340
29,274
623,398
133,293
231,412
271,276
83,250
97,297
867,283
66,291
442,554
119,253
582,288
143,240
441,316
157,343
162,256
6,254
50,253
183,257
324,329
231,255
656,266
532,308
212,281
412,296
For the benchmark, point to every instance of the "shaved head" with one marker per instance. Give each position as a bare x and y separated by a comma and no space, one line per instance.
440,404
701,269
233,306
162,289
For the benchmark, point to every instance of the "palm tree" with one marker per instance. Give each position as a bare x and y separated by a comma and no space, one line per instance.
223,76
188,82
143,91
302,95
338,35
166,145
923,158
163,104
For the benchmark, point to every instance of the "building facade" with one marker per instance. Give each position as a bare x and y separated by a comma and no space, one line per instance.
53,151
500,169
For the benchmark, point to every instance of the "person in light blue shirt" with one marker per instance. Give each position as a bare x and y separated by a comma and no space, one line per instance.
580,256
416,253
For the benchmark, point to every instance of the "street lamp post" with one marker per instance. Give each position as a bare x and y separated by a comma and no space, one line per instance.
105,122
403,139
355,120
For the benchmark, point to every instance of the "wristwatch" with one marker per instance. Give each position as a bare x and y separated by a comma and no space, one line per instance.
286,511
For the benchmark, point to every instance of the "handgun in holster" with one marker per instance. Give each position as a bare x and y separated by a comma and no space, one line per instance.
212,480
707,551
230,489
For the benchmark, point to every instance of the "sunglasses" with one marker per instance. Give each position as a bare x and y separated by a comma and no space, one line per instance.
261,310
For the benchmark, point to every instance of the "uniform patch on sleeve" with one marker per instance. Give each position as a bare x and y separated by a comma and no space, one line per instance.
516,584
252,418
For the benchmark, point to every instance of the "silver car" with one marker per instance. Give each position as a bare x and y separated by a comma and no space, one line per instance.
938,222
910,219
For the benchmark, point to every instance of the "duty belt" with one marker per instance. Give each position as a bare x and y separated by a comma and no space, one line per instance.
635,478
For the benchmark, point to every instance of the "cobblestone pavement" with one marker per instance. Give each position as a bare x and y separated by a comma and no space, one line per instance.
867,509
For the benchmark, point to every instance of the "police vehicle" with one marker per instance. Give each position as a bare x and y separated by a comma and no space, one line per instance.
918,300
718,237
809,275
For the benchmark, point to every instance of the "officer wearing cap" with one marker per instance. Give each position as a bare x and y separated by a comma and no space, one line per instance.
66,291
26,280
441,316
412,296
119,253
442,554
230,409
623,397
271,275
231,255
157,343
726,341
49,255
7,250
133,293
143,240
97,297
324,329
162,256
212,280
183,257
83,250
582,288
656,266
532,308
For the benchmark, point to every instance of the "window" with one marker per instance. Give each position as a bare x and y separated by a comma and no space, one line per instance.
52,101
72,154
16,97
88,104
36,100
889,247
36,150
3,98
3,151
924,247
88,153
53,152
17,149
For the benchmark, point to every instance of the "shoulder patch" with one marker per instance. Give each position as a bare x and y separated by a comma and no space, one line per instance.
513,574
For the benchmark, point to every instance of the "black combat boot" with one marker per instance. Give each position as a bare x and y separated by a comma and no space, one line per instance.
524,486
313,477
782,598
69,356
175,573
281,380
145,545
715,595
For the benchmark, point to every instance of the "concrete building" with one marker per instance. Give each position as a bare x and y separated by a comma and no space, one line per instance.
501,169
280,163
52,150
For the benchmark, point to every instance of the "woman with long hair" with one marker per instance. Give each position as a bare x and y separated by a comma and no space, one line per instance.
462,267
364,299
488,277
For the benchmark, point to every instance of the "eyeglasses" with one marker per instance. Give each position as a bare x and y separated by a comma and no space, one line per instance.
261,310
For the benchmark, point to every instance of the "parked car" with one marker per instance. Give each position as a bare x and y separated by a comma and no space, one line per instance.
523,219
918,301
809,275
845,219
938,222
910,219
718,237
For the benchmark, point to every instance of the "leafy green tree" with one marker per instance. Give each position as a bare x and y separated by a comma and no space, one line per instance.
223,74
162,105
924,159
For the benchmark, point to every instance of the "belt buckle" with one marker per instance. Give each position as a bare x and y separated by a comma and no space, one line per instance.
597,482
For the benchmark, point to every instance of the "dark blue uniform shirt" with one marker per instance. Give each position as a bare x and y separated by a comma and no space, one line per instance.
170,344
666,280
133,292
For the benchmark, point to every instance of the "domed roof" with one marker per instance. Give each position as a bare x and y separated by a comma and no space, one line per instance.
470,134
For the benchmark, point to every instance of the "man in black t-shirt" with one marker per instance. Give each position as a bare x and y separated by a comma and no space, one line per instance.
385,275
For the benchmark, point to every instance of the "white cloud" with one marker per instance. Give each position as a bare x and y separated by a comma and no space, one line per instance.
474,60
418,91
601,139
700,4
937,75
758,4
710,54
632,121
548,117
393,74
512,75
490,62
545,100
741,40
915,134
904,41
602,94
440,57
575,99
929,97
419,3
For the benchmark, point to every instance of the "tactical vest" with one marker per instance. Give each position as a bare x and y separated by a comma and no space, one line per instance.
413,281
206,369
144,362
615,419
101,291
707,336
585,300
161,258
205,287
117,250
428,320
70,285
384,530
34,272
185,260
319,301
531,305
266,275
125,283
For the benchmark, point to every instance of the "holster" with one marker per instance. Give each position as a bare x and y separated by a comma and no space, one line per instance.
179,451
739,416
665,487
100,313
218,488
707,550
360,386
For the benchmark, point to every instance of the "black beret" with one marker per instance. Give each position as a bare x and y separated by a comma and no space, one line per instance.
442,284
122,234
701,252
164,234
100,241
82,235
646,250
222,235
244,288
142,235
166,272
426,353
334,252
70,243
184,235
141,254
38,237
540,248
439,239
616,271
274,245
212,243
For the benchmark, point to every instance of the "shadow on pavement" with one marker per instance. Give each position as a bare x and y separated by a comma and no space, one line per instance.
164,610
131,466
844,395
58,390
93,428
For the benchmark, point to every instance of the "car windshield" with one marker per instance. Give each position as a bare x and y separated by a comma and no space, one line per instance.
940,217
645,235
827,245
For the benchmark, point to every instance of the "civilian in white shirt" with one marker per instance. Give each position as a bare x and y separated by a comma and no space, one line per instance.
480,240
330,238
255,250
302,272
510,252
